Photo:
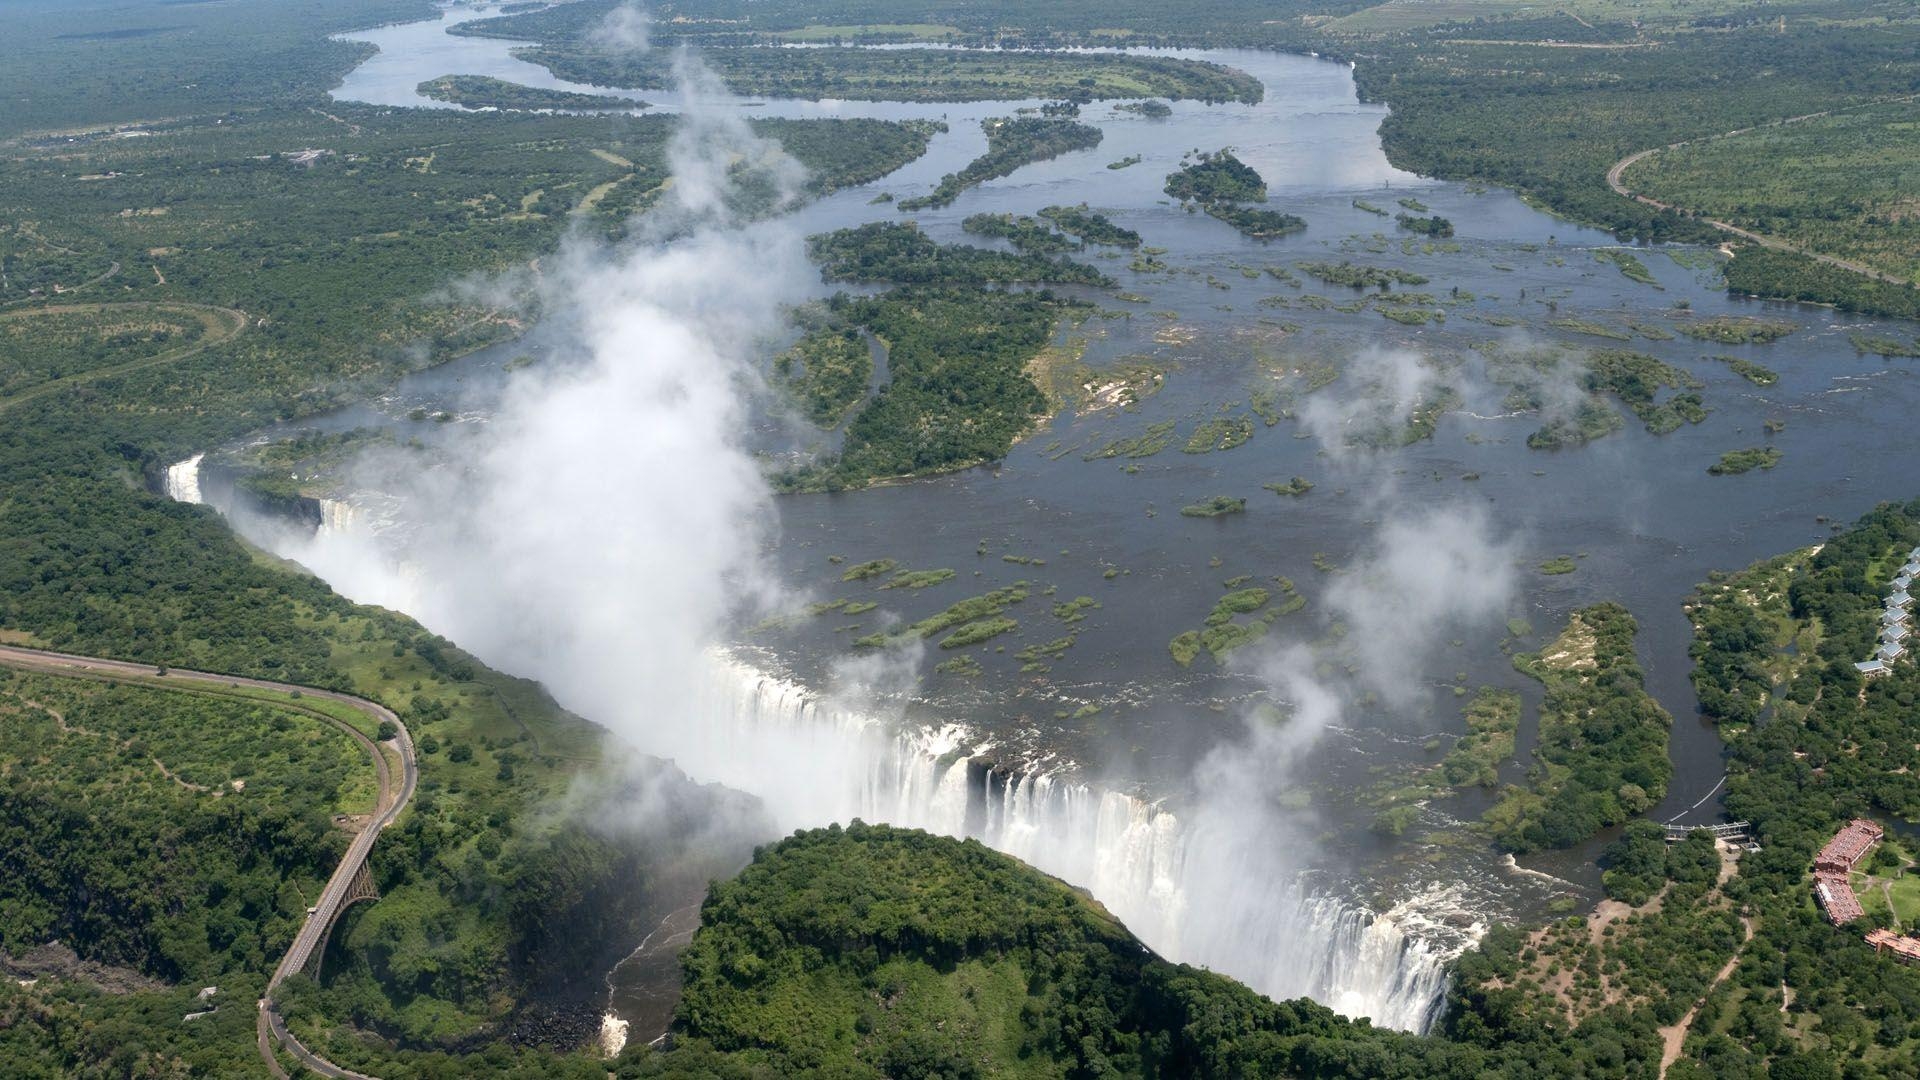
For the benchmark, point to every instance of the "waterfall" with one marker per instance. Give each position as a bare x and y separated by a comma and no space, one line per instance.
183,480
1192,892
337,516
1196,889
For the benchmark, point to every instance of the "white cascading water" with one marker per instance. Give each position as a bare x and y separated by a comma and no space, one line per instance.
1191,894
337,516
183,480
1195,891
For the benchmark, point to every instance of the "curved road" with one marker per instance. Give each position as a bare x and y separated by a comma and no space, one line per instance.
222,325
392,799
1616,181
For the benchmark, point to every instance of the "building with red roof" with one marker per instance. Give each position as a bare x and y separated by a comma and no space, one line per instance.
1847,847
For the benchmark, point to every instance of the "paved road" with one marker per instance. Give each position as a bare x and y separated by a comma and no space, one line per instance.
1616,181
392,799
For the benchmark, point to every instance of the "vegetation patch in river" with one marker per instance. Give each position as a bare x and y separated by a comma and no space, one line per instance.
1361,277
1882,345
1754,373
1735,462
1217,506
485,92
900,253
1602,753
1026,234
1435,225
1242,615
974,609
959,389
1011,143
1091,227
1628,264
1218,433
1737,330
1155,438
1222,184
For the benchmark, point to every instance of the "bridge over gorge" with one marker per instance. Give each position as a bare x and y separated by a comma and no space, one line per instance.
350,883
1736,832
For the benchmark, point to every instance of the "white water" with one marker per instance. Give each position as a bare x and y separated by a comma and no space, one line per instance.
183,480
613,1035
337,517
1190,892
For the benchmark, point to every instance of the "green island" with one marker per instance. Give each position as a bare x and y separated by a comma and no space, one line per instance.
1735,330
1882,345
1028,235
1011,143
1091,227
1735,462
980,613
1361,277
1602,756
938,338
1240,617
1221,184
1217,506
1294,487
1757,374
1628,264
907,74
899,252
1434,225
486,92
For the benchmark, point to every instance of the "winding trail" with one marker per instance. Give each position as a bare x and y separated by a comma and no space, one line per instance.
1616,181
391,800
1672,1038
222,325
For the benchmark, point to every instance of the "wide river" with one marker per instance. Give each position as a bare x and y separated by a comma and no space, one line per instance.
1639,512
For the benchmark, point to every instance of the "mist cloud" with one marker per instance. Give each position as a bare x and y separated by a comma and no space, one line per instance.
627,28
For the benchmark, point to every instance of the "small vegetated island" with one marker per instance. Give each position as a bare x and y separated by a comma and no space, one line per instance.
486,92
1011,143
1222,185
1735,462
1242,615
1603,738
899,252
960,357
1636,380
909,74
